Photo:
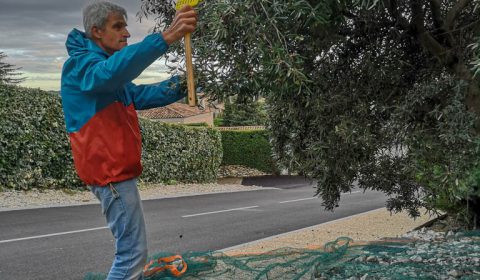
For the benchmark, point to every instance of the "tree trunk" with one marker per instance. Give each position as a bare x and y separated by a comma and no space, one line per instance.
472,100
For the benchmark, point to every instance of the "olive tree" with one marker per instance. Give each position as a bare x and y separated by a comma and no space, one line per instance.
381,94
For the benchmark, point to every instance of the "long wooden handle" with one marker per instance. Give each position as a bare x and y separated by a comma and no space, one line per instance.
192,98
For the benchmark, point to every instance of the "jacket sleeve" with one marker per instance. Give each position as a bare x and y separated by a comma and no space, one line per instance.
156,95
101,75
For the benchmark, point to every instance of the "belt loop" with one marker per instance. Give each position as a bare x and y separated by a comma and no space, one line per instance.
114,191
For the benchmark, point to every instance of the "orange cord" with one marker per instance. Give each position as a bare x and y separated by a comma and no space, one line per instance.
164,264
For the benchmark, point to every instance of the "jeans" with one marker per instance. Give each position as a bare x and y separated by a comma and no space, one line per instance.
122,208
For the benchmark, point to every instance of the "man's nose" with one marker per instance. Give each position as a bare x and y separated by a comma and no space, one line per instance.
126,34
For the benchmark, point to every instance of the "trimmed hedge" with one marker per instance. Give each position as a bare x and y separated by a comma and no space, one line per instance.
180,153
35,150
248,148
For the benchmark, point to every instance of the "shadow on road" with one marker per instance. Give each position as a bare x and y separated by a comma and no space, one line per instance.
282,182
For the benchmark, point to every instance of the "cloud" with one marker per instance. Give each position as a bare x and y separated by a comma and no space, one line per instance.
33,34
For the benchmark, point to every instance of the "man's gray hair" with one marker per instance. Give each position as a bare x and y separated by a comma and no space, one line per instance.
96,14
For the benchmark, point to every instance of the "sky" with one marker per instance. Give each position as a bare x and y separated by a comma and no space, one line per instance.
33,34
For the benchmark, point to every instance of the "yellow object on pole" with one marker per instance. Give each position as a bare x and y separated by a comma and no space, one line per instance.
192,96
191,3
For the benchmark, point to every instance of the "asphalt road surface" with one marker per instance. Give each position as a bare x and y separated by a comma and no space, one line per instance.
67,242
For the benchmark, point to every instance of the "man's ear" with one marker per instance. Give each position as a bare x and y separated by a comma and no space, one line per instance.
96,33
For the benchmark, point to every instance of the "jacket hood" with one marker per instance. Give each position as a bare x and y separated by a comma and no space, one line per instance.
78,43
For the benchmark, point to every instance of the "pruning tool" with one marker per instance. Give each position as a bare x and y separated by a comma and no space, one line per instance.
192,97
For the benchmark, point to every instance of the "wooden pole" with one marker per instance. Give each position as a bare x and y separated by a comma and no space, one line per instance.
192,96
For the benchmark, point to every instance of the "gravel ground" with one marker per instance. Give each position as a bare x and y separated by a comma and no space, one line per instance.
422,254
238,171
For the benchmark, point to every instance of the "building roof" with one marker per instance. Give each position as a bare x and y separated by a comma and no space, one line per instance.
172,111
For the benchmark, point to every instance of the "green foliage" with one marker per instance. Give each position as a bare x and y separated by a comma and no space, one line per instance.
369,91
248,148
244,113
35,150
218,122
180,153
451,193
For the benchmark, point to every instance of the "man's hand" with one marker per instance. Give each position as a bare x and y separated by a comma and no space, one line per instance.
185,21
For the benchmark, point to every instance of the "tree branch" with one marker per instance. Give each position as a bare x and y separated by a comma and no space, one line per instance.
450,61
454,13
392,8
426,39
435,6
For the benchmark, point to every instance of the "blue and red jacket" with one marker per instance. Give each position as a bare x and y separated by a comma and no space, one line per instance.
99,102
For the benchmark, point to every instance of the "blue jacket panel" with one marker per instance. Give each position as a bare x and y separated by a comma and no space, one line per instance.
92,80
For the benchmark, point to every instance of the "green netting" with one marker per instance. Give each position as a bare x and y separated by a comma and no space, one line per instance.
456,256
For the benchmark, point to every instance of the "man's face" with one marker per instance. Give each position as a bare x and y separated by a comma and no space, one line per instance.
113,37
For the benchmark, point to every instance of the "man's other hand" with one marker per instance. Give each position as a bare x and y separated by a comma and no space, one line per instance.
185,21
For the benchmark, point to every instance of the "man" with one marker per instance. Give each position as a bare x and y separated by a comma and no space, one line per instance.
99,102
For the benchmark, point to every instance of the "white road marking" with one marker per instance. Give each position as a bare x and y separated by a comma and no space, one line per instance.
295,200
49,235
352,192
221,211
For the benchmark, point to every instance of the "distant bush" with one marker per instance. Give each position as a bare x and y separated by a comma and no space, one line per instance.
248,148
35,150
244,113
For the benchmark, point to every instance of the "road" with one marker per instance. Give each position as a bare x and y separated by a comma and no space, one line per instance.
67,242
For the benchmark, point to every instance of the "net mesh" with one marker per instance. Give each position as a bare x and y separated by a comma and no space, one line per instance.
456,256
